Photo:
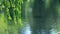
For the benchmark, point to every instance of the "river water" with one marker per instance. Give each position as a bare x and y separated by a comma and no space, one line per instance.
27,30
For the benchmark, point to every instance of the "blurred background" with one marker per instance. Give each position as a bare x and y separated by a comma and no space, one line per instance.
29,16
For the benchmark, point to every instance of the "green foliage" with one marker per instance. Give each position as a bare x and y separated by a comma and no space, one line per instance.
10,16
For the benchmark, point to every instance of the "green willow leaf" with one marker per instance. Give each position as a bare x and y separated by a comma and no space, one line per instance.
11,17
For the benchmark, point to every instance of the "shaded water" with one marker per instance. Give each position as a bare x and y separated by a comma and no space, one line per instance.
45,19
27,30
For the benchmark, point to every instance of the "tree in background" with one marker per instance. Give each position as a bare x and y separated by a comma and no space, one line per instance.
44,15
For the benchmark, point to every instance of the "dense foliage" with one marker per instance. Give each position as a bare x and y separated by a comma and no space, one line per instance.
10,16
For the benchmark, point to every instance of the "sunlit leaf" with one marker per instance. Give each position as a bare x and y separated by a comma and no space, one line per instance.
3,6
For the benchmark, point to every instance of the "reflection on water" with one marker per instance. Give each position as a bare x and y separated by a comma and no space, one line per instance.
43,32
27,30
52,31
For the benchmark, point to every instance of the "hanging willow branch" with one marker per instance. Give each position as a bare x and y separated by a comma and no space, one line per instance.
10,11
